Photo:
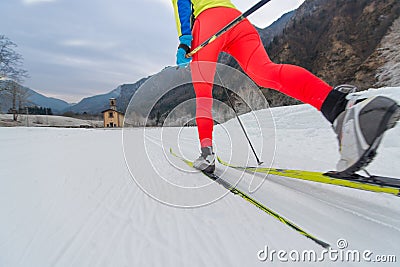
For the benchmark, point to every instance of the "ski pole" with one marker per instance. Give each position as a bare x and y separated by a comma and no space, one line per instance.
232,24
240,122
241,125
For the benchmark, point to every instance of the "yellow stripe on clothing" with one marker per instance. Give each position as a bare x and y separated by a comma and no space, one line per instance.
185,9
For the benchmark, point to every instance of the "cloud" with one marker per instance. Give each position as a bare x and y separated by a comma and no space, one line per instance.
91,44
33,2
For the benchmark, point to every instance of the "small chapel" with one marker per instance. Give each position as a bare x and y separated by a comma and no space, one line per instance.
113,117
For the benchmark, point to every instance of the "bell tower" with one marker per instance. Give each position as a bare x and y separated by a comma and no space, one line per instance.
113,103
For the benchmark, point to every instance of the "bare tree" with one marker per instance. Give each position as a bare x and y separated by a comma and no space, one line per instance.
16,94
10,61
11,75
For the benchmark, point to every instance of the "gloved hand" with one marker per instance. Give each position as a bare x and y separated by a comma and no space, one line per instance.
183,49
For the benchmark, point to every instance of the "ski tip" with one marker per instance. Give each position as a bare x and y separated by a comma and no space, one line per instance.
323,244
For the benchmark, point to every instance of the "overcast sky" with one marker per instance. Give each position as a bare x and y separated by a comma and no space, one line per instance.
77,48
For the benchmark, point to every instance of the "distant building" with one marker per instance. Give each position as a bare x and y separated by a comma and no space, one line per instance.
113,117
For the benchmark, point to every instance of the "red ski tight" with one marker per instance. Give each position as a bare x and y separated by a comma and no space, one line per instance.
244,44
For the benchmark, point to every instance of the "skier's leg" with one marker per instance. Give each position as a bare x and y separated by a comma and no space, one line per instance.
203,88
202,78
359,125
247,48
203,70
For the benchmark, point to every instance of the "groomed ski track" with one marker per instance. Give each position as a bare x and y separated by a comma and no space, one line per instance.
68,199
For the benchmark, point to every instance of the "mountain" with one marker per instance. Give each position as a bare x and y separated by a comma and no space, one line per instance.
267,35
338,39
341,41
382,67
32,98
96,104
276,28
55,104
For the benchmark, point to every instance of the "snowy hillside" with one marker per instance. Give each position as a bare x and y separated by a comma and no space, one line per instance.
67,197
389,72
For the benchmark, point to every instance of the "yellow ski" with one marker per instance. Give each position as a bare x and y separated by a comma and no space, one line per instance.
375,183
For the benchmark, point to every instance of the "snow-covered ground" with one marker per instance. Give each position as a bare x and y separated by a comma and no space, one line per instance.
68,198
6,120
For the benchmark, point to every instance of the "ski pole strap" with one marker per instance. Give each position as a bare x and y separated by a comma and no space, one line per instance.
232,24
